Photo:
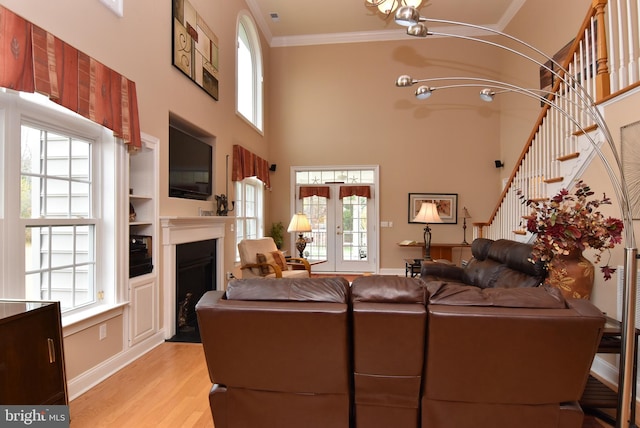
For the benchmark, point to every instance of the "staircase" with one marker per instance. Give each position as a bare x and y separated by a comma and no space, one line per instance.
601,64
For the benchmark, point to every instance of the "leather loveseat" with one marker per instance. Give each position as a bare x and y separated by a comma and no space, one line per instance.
494,264
394,351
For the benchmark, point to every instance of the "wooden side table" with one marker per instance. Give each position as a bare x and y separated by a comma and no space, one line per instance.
300,266
412,267
438,251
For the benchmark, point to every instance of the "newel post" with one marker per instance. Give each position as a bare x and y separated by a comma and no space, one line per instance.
603,87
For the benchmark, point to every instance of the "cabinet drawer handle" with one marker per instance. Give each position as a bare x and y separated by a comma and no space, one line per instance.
52,351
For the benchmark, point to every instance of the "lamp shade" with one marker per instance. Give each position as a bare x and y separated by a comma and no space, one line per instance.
428,214
299,223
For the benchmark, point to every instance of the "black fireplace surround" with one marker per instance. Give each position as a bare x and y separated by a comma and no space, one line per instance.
195,275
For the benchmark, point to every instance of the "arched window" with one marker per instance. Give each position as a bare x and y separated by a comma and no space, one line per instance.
249,73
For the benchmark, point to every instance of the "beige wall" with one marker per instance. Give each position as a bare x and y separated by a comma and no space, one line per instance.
338,105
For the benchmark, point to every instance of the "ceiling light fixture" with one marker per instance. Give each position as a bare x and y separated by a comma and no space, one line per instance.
487,95
387,7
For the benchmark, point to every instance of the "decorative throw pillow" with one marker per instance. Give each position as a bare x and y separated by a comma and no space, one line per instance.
264,258
280,260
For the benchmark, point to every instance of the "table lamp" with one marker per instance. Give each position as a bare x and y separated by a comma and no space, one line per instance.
299,224
465,216
428,214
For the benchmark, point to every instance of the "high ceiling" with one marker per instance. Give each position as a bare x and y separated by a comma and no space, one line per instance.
301,22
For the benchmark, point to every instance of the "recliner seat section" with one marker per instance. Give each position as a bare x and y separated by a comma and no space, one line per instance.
503,358
278,353
389,326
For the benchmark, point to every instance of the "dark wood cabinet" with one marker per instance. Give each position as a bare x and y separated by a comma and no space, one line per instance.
31,354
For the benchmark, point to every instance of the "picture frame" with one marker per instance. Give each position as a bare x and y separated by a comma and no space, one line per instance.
447,204
195,49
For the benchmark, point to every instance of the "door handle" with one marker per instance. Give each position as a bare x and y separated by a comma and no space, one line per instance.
52,350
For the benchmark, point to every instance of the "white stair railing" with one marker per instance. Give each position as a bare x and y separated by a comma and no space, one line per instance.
559,149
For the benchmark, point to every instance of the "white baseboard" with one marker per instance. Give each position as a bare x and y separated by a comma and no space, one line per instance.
605,370
87,380
397,272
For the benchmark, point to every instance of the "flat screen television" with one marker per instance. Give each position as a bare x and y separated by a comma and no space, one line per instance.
190,165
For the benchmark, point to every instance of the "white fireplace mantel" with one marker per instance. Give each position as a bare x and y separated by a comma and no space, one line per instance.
181,230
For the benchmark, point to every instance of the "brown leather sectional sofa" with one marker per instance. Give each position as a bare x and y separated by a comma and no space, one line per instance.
494,264
395,352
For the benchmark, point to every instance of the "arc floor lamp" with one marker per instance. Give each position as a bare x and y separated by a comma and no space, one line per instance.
410,17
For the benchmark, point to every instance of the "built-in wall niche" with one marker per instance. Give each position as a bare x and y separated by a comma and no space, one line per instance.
191,155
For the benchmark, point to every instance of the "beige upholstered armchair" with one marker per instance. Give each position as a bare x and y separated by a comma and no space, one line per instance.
261,258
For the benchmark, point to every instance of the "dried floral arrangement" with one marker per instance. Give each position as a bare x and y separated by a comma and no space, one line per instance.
571,221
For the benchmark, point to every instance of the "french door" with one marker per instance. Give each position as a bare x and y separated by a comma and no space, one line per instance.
343,227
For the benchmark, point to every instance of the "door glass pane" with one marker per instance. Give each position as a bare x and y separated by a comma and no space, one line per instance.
354,227
315,207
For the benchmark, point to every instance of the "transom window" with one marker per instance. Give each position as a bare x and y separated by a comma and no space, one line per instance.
249,73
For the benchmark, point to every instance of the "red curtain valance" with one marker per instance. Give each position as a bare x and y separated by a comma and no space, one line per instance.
364,191
34,60
247,164
306,191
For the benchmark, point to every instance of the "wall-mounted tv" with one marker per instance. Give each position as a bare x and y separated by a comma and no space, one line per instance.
190,164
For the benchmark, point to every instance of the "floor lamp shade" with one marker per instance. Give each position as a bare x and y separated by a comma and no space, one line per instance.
299,223
428,214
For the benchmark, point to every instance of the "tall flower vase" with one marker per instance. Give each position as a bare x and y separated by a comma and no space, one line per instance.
572,274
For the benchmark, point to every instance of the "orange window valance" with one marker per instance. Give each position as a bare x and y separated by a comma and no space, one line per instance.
34,60
364,191
322,191
247,164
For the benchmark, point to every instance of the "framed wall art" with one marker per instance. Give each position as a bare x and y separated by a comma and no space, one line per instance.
195,47
447,204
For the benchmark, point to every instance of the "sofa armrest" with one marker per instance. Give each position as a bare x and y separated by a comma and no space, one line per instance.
275,268
297,261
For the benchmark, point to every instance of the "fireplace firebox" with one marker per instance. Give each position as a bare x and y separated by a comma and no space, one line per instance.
195,275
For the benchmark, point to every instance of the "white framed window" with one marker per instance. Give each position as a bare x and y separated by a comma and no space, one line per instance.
249,210
249,73
60,204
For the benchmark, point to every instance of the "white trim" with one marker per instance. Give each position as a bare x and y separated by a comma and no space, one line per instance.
180,230
87,380
376,187
115,6
372,36
72,324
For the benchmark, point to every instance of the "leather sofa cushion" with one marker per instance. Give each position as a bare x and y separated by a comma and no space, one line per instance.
515,255
480,248
443,293
387,289
482,274
330,290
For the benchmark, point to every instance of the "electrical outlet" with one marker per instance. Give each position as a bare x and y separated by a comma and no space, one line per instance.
103,331
230,275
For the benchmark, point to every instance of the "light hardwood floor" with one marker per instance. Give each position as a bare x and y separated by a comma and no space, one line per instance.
167,387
